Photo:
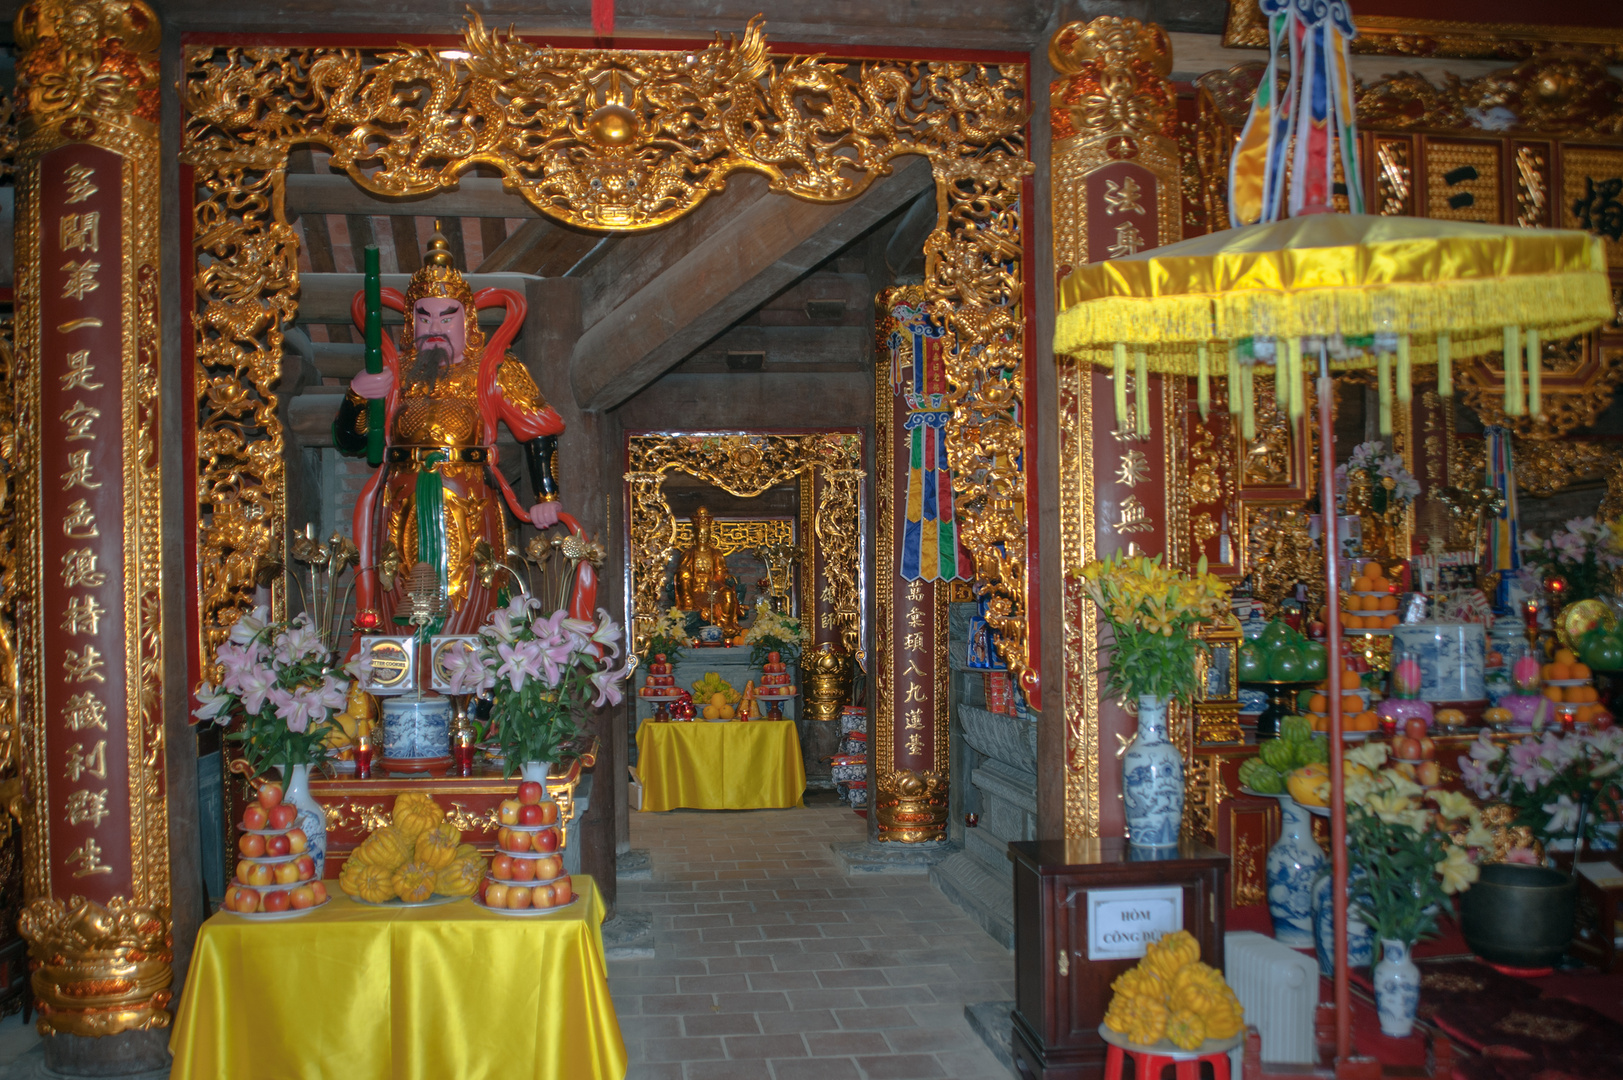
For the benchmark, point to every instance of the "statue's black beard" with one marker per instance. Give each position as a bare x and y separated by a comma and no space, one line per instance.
430,364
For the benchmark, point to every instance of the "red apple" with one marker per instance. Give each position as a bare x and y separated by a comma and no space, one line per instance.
529,792
277,846
287,873
246,901
1428,773
242,871
259,875
530,815
501,867
306,867
303,897
563,889
255,817
1415,727
251,845
320,889
270,795
277,900
507,812
542,896
228,901
518,898
496,895
1601,720
518,841
523,870
548,867
545,840
283,815
549,813
1428,747
1405,747
297,841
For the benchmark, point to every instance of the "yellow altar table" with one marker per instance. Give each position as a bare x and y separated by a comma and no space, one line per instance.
362,992
754,765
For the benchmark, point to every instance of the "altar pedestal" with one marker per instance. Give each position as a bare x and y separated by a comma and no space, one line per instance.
732,664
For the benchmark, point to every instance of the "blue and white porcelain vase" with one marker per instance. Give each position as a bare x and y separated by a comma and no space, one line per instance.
1152,780
1360,938
1397,988
1294,863
312,818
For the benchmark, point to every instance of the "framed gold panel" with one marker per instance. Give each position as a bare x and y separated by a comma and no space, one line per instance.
1592,195
1462,180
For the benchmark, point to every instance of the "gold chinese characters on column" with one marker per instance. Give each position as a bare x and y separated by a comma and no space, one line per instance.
96,835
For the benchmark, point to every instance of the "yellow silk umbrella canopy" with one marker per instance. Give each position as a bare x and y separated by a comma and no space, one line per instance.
1427,291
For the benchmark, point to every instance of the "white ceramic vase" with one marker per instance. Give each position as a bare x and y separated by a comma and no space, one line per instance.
1152,780
535,770
1397,988
1294,864
312,818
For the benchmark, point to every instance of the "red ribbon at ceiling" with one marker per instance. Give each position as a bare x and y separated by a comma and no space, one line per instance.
603,18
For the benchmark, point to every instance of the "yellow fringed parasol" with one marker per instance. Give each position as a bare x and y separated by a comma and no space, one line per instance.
1374,291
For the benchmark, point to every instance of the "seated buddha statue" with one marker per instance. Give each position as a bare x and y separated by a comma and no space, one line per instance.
701,579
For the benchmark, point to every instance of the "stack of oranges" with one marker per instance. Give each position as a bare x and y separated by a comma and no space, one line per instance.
1566,668
1354,717
1372,605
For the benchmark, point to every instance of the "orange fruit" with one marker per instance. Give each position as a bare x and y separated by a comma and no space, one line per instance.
1389,603
1581,671
1368,720
1318,703
1362,584
1574,695
1557,670
1379,584
1390,621
1565,656
1553,693
1350,704
1372,569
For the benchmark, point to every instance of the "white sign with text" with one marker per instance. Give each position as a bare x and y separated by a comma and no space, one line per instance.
1122,922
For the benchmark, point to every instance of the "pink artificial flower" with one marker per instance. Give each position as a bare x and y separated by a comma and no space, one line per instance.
247,627
213,704
607,633
1521,855
253,686
607,681
1527,764
520,661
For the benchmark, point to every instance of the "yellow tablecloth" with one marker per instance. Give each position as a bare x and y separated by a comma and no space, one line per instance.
354,992
752,765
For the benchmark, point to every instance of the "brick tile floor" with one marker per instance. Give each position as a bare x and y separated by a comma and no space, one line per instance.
771,964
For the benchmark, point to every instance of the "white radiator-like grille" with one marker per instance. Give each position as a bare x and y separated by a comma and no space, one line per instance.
1279,989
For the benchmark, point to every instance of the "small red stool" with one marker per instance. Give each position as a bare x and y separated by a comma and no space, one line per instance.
1148,1065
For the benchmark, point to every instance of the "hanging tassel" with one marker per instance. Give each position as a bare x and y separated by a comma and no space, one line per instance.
1445,365
1405,383
1293,378
1236,395
1248,416
1535,374
1383,362
1282,392
1119,351
1203,381
1513,371
1141,391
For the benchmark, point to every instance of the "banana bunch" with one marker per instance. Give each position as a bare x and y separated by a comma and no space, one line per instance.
712,684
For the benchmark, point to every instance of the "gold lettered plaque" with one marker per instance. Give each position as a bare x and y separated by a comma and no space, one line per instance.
391,665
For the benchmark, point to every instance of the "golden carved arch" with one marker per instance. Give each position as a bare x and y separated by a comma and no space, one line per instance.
606,139
747,464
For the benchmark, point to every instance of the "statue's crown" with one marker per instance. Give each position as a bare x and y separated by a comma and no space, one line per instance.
439,277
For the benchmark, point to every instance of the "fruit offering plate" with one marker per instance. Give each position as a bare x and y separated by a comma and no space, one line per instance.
1303,683
1409,760
1382,593
1166,1049
278,916
1378,631
1567,682
1316,811
527,912
271,860
528,884
1346,736
433,901
1263,794
266,832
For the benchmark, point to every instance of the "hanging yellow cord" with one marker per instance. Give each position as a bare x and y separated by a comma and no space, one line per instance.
1293,377
1405,383
1513,372
1120,374
1383,363
1445,365
1203,381
1535,397
1141,390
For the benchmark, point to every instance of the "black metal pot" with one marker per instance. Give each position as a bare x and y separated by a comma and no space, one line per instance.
1518,915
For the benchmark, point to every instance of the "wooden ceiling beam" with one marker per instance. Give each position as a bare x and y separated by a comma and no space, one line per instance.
325,298
333,193
735,253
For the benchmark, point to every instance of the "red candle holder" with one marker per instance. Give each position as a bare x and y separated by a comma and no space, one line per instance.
363,756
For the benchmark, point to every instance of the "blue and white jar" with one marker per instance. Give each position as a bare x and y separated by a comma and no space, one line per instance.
1397,988
1294,864
1152,780
1452,659
416,727
312,818
1360,938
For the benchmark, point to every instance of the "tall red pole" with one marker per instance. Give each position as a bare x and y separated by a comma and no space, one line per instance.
1338,795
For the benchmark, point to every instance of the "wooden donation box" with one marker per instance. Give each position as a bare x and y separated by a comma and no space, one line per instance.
1083,912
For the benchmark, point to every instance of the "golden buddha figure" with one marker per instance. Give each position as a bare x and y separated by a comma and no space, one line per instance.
701,579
